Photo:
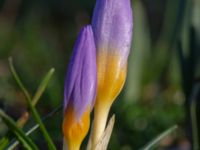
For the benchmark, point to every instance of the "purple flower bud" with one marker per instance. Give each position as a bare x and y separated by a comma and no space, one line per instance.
80,89
80,84
112,25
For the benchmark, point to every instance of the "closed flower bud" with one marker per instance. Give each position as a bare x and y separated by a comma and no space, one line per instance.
112,25
80,90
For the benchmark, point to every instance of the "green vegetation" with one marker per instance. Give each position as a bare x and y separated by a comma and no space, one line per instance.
161,90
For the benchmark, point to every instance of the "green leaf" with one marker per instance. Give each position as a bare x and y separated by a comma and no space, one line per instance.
25,144
36,116
160,137
15,143
42,87
24,118
32,129
26,141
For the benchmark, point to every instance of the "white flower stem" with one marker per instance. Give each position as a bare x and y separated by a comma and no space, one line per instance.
100,120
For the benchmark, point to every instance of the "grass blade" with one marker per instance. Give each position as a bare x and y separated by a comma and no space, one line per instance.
42,87
15,142
26,141
160,137
36,116
32,129
24,118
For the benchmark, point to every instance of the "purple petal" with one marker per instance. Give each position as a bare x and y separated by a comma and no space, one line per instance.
112,25
80,83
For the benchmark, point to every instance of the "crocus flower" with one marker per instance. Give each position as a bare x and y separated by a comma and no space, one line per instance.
80,90
112,26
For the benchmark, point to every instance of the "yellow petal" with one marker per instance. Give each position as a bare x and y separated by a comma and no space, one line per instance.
75,130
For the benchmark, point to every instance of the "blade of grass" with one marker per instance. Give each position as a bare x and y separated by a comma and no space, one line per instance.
25,145
36,116
26,141
15,142
42,87
193,113
160,137
32,129
24,118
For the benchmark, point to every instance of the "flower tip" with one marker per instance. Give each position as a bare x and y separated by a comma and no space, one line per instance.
112,24
87,31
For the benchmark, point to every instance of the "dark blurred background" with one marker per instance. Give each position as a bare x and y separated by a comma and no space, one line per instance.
162,71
